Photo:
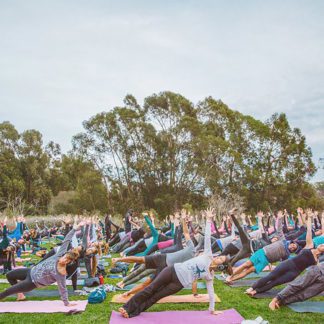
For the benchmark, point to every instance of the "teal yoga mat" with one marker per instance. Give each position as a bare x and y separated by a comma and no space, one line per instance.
308,307
252,275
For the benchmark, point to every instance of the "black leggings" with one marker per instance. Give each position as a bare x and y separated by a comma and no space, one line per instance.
25,283
230,249
245,251
295,234
139,247
114,240
165,284
285,272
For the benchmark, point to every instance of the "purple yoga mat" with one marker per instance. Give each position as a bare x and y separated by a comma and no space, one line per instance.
230,316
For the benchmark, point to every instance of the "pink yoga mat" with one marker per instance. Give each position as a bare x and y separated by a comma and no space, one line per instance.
41,306
230,316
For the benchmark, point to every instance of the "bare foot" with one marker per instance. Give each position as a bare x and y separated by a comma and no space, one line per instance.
20,297
247,291
123,312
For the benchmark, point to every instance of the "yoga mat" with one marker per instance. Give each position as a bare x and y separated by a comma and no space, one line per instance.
230,316
267,294
41,306
273,293
200,285
243,283
119,299
115,276
240,262
308,307
249,276
68,282
47,293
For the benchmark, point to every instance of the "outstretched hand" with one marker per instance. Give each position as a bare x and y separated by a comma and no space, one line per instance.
210,213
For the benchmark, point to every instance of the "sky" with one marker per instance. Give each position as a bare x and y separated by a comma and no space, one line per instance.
62,62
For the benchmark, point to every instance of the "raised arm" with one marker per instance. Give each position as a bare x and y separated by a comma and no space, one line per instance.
185,227
279,226
68,238
309,236
211,294
207,243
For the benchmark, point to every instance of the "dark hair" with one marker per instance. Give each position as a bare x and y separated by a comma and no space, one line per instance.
73,254
226,266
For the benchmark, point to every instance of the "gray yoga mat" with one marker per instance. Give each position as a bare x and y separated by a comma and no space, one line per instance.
243,283
68,282
47,293
308,307
267,294
252,275
273,293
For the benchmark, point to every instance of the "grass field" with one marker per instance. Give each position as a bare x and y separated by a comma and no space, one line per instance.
230,298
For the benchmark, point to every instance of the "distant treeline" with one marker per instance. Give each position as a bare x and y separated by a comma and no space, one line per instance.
162,155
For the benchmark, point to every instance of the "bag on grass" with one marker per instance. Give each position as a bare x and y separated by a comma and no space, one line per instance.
97,296
92,282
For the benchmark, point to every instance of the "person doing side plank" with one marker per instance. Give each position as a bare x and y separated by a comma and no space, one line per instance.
172,279
290,269
302,288
44,273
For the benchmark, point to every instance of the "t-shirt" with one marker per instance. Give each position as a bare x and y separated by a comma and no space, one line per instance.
304,260
318,240
181,256
198,268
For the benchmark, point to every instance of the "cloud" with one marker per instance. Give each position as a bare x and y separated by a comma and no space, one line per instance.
63,61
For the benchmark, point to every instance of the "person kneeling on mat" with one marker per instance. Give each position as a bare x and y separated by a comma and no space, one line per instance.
173,278
44,273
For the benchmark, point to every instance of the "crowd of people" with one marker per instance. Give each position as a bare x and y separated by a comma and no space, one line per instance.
174,254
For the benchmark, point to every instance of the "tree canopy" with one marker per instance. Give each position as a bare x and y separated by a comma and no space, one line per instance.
162,154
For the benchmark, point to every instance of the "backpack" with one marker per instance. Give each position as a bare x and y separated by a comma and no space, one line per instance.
97,296
92,282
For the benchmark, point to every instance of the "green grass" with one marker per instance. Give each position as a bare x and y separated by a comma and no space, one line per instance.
230,298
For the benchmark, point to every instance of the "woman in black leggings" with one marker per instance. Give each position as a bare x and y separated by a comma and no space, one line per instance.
44,273
290,269
286,271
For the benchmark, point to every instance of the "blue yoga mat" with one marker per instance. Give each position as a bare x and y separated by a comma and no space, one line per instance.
308,307
252,275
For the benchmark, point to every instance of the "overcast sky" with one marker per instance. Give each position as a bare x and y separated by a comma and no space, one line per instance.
64,61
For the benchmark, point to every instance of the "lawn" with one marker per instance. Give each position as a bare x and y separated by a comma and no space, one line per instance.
230,298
